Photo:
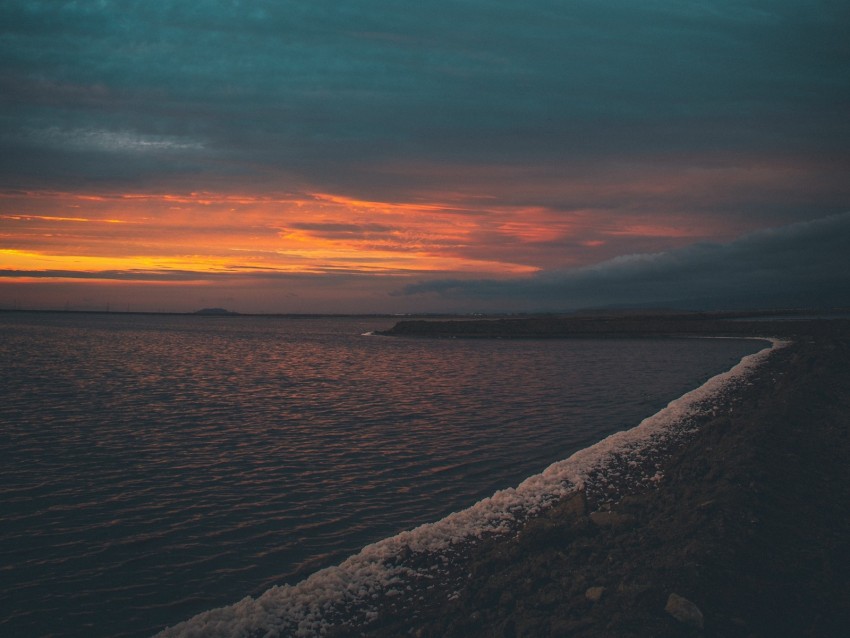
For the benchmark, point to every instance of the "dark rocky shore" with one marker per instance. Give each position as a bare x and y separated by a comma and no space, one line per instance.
747,534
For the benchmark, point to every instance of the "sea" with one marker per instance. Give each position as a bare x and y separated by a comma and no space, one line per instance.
155,467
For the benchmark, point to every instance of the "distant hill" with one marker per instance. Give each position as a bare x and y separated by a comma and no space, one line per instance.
216,312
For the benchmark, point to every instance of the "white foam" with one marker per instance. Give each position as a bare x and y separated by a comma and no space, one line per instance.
302,609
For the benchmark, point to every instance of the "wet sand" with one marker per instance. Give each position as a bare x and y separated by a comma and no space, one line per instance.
749,523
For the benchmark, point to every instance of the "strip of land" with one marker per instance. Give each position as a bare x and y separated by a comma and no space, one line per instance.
571,326
750,523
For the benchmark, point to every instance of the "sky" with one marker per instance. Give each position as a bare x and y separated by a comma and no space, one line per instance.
385,156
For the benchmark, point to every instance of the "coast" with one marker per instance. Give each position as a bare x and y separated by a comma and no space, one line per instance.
746,532
727,514
626,325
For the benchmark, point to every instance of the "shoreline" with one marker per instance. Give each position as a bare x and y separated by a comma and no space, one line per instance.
614,326
750,523
401,572
538,579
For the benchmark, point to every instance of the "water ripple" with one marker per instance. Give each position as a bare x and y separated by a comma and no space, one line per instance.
155,467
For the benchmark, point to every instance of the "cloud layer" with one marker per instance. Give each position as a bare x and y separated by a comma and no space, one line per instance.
799,264
451,139
330,93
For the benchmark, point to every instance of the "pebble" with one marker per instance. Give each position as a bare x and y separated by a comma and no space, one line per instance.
594,594
610,519
684,611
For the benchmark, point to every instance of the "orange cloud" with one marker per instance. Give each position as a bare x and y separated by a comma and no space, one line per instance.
492,221
654,230
208,232
61,219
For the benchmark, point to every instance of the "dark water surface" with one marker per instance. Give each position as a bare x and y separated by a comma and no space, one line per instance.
157,466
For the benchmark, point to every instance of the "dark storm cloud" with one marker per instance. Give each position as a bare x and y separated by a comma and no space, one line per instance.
324,92
804,263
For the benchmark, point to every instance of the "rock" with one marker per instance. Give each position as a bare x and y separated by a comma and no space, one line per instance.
610,519
564,627
594,594
550,596
509,629
684,611
572,506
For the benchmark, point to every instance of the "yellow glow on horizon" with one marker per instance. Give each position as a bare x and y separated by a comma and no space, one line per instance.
236,233
34,261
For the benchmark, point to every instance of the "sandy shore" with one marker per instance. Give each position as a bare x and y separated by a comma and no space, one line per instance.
749,524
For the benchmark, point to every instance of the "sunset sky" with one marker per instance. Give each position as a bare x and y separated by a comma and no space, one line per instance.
391,156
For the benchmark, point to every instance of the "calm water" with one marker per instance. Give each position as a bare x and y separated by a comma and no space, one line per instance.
155,466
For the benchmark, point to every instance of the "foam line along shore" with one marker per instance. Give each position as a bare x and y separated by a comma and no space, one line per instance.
434,556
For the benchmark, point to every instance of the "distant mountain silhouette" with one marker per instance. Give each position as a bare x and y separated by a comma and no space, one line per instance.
218,312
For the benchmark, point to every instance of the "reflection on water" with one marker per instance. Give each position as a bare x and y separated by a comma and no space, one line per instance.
158,466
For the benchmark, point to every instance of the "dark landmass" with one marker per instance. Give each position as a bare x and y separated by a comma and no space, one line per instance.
216,312
747,534
614,325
